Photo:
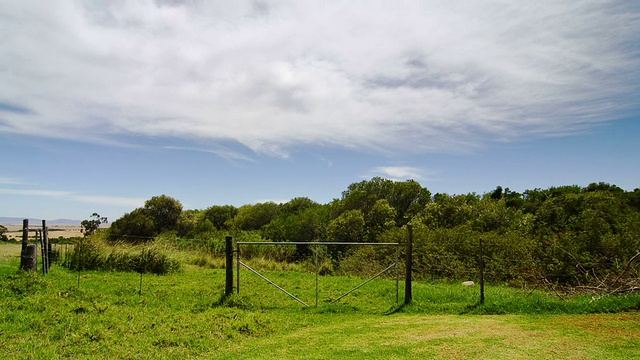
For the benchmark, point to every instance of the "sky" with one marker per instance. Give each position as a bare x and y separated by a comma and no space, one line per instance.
104,104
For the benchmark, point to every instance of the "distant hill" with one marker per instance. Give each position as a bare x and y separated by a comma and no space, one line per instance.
18,221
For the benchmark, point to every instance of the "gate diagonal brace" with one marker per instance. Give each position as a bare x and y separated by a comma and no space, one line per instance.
274,284
363,284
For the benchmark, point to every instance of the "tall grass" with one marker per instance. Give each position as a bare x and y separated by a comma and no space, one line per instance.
97,254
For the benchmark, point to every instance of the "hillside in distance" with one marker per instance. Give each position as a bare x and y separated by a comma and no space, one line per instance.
18,221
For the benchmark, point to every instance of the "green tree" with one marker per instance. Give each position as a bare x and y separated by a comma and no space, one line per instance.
136,226
165,212
408,198
348,227
188,222
298,205
633,199
304,225
494,215
221,216
448,211
3,234
254,217
381,218
90,226
497,193
603,186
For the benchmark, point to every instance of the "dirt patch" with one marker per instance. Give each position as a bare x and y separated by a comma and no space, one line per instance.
612,326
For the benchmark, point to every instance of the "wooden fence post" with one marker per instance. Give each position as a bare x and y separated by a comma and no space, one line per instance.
228,289
25,244
408,292
45,248
45,232
31,258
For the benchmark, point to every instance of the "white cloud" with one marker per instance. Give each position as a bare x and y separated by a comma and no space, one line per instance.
277,201
7,180
222,152
408,76
71,196
110,200
36,192
399,173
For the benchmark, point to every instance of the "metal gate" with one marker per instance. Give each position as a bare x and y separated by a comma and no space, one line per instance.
240,264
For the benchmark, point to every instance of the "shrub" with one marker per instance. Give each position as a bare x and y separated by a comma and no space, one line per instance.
96,254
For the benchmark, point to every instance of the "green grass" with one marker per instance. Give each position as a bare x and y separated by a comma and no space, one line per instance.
183,315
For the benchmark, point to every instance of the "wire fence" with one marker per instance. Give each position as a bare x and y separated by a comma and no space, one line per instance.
461,266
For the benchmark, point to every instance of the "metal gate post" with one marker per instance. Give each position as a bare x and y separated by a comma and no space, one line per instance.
238,267
397,274
317,270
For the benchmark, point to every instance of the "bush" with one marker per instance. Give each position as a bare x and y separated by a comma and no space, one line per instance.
96,254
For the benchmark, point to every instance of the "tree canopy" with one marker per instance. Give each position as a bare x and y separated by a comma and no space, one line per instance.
567,234
91,225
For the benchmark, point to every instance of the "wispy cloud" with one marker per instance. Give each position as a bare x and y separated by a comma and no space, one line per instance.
36,192
222,152
399,173
277,201
412,76
71,196
6,180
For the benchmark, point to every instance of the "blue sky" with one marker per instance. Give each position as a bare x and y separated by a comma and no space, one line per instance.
106,104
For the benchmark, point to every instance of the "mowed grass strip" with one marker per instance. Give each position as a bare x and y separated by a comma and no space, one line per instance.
402,336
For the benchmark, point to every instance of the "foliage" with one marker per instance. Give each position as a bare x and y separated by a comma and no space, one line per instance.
96,254
3,234
254,217
165,212
407,198
566,235
159,214
221,216
135,227
188,222
90,226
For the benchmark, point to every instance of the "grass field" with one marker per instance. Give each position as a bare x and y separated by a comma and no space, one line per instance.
183,315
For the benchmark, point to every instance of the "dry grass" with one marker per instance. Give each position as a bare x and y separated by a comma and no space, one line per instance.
9,251
14,232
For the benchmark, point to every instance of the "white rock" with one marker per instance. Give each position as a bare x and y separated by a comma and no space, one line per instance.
468,283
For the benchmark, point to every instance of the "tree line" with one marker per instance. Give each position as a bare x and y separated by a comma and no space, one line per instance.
579,236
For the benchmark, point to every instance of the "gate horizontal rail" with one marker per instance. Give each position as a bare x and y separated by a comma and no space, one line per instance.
308,243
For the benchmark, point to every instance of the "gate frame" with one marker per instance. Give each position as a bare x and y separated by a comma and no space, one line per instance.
315,243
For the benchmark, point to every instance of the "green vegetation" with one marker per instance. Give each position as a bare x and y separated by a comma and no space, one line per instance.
3,234
97,254
573,238
562,266
89,227
184,315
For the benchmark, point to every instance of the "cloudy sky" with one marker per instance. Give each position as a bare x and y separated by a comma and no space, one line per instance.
104,104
